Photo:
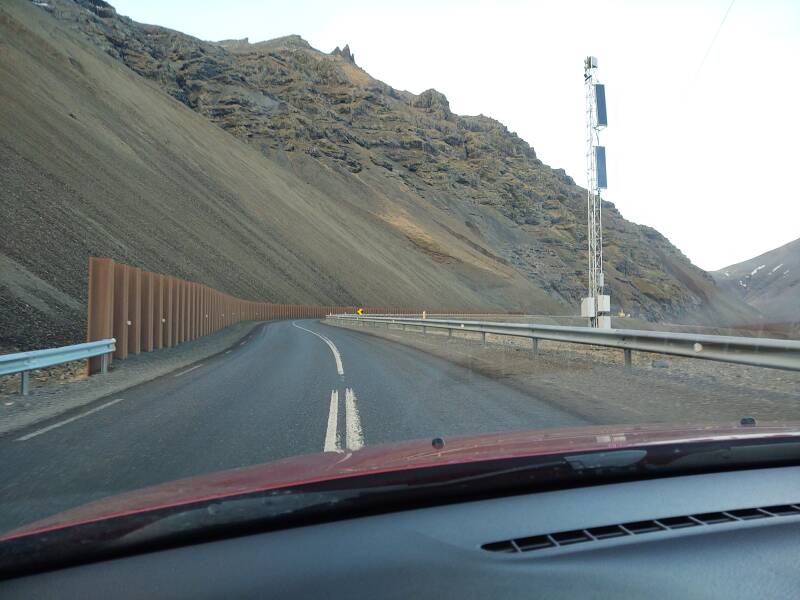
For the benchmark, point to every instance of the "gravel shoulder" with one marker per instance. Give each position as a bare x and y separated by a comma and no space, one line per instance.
590,382
61,389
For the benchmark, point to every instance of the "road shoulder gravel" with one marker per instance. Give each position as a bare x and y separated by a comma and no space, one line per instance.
591,383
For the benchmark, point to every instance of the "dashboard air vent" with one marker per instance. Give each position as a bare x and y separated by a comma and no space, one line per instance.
579,536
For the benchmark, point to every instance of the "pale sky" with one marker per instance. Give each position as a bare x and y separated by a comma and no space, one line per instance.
708,156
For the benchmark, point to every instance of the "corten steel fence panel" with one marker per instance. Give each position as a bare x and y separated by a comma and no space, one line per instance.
191,311
198,290
134,310
187,312
212,312
184,288
203,311
172,293
196,320
217,311
158,312
121,310
187,332
178,316
100,322
176,310
207,310
159,317
195,309
147,311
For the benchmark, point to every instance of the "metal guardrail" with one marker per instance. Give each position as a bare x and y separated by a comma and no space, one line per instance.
25,362
758,352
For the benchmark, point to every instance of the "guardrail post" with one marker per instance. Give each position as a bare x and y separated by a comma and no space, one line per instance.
24,382
483,338
628,359
535,347
104,363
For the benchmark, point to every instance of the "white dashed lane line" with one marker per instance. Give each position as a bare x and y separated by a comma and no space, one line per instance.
25,438
331,439
187,371
355,437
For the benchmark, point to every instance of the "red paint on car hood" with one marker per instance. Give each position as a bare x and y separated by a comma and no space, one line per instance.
395,457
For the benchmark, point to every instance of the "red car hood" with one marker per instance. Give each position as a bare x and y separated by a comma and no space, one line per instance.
395,457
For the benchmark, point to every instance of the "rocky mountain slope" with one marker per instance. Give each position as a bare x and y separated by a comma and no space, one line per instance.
274,171
769,283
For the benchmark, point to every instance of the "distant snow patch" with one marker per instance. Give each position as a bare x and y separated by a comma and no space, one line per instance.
756,270
727,274
776,268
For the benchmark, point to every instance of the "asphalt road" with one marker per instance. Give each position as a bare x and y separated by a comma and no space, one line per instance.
288,388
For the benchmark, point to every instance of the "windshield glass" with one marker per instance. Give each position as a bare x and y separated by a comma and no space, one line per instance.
364,238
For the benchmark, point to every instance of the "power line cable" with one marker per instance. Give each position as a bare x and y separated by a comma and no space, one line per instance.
713,41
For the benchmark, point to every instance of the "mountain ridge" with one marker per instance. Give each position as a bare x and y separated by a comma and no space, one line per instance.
318,183
769,282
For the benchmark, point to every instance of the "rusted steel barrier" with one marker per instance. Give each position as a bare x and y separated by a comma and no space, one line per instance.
147,311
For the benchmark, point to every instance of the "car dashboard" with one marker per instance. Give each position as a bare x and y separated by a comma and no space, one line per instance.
730,534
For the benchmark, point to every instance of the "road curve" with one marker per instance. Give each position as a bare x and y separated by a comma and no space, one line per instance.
287,388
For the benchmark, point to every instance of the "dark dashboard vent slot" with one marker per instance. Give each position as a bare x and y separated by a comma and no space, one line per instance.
579,536
642,527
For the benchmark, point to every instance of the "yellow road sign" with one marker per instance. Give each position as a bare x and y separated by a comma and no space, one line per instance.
360,311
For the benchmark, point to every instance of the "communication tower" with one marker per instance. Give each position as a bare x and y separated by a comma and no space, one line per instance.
597,306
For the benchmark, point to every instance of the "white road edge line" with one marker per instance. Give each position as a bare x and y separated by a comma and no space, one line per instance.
187,370
355,438
336,356
331,439
25,438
